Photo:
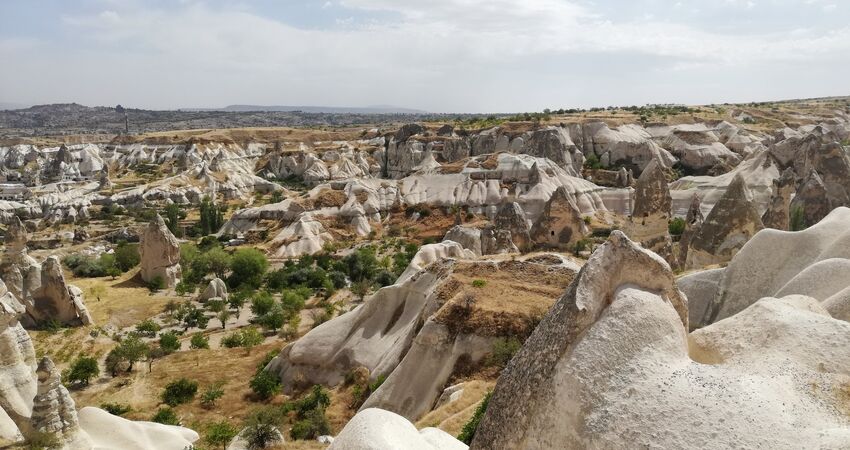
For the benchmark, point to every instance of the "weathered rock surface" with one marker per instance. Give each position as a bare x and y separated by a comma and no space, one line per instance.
561,224
612,366
512,218
814,262
374,428
215,289
648,223
54,411
812,200
108,432
160,254
779,210
42,287
693,222
729,225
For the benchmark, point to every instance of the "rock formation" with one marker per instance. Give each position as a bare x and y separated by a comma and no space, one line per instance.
779,210
512,218
216,289
433,313
693,223
160,254
378,429
53,410
811,203
648,223
814,262
729,225
561,224
42,287
612,366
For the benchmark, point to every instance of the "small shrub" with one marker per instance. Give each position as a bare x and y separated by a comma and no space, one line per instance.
468,431
587,220
265,385
676,226
148,328
40,440
503,350
166,416
479,283
179,392
199,341
313,425
797,219
232,340
219,434
116,409
211,395
156,284
261,430
169,342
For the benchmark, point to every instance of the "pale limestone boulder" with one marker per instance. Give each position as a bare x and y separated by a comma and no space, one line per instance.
108,432
160,253
215,289
373,429
304,236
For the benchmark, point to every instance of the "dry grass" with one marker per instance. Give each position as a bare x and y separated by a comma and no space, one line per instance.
125,300
451,417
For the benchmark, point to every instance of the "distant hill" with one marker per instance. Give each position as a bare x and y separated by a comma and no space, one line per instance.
7,106
378,109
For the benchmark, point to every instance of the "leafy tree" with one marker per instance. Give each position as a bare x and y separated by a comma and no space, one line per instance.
310,414
191,317
504,350
169,342
179,392
172,219
265,385
273,319
222,317
337,278
251,338
185,287
212,217
247,266
385,278
261,428
262,303
127,256
166,416
361,288
468,431
291,302
148,328
83,369
199,341
236,300
219,434
130,350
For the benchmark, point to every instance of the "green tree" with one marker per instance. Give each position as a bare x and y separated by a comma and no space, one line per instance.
169,342
83,369
273,319
261,428
172,219
265,385
262,303
247,266
179,392
219,434
199,341
148,328
211,395
127,256
166,416
251,338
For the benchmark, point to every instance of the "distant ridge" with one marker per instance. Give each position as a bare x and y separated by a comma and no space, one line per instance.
377,109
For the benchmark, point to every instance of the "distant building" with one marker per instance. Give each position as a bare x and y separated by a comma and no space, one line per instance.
14,192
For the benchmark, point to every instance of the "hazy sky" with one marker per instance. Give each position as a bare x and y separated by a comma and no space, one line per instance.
437,55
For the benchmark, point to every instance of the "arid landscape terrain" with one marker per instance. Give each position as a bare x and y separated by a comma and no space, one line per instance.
661,276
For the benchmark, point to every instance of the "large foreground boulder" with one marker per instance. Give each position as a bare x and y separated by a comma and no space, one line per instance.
612,366
160,254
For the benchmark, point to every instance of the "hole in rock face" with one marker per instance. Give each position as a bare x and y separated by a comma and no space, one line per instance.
703,355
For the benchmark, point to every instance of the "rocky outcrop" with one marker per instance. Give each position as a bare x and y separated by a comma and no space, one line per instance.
42,287
216,289
554,143
693,222
304,236
18,384
612,366
814,262
648,223
620,279
53,410
378,429
811,203
729,225
512,218
160,254
432,314
779,210
561,224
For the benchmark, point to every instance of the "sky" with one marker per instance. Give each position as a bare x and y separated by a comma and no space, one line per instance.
434,55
